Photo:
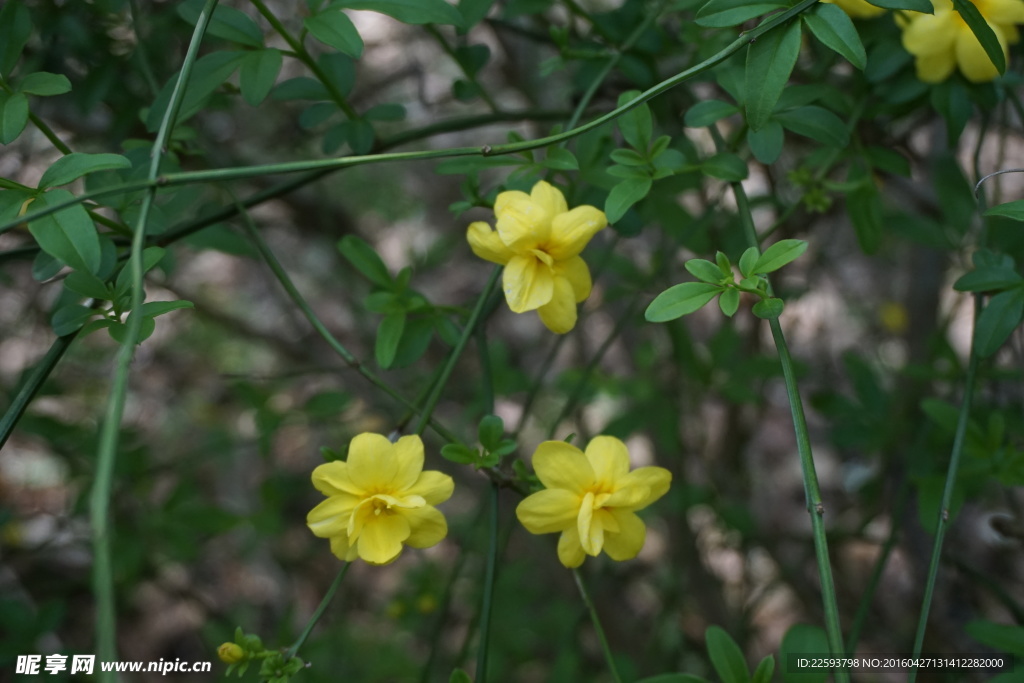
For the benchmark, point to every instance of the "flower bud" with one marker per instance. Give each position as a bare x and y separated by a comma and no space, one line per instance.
230,653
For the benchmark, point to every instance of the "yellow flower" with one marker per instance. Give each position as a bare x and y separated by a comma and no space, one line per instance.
858,9
941,42
379,500
538,240
230,653
592,499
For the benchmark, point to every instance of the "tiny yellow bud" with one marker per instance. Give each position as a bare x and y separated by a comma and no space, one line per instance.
230,653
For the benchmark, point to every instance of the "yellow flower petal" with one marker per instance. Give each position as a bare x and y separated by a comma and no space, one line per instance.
610,460
629,540
381,539
341,549
973,60
369,461
331,516
550,197
655,479
427,527
559,314
572,230
407,453
521,222
570,552
1002,11
563,466
590,530
435,487
935,68
548,511
575,270
858,9
332,478
528,284
487,244
930,34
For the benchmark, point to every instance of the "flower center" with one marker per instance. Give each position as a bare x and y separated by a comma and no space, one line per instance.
543,256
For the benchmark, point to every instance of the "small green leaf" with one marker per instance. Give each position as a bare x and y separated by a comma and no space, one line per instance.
365,259
88,285
409,11
955,195
770,60
335,29
987,280
705,270
1002,637
680,300
729,301
560,159
725,166
768,309
388,111
208,74
153,309
726,656
764,671
474,11
1000,317
45,266
747,261
300,88
833,27
389,334
766,143
972,16
491,429
864,206
44,84
119,331
628,157
457,453
73,166
258,74
924,6
69,234
70,318
778,255
707,112
15,29
13,116
724,13
227,23
1014,210
624,195
816,123
635,125
803,640
459,676
723,263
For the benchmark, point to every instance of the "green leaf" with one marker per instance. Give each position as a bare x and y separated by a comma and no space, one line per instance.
152,309
987,280
953,191
491,429
1000,317
335,29
729,301
458,453
914,5
300,88
73,166
67,235
44,84
864,206
474,11
409,11
13,116
1014,210
766,143
723,263
365,259
816,123
208,74
560,159
778,255
389,334
15,29
226,22
707,112
982,31
747,261
705,270
770,60
624,195
726,656
88,285
764,671
1003,637
803,640
768,309
723,13
725,166
628,157
680,300
358,134
833,27
44,267
119,331
70,318
635,125
258,74
150,257
389,111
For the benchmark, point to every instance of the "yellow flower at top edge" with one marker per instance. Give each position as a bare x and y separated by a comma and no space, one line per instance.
858,9
379,500
592,499
943,41
539,240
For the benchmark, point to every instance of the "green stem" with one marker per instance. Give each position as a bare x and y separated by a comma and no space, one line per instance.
947,496
99,501
812,491
175,179
321,608
32,385
596,621
453,357
488,596
321,329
